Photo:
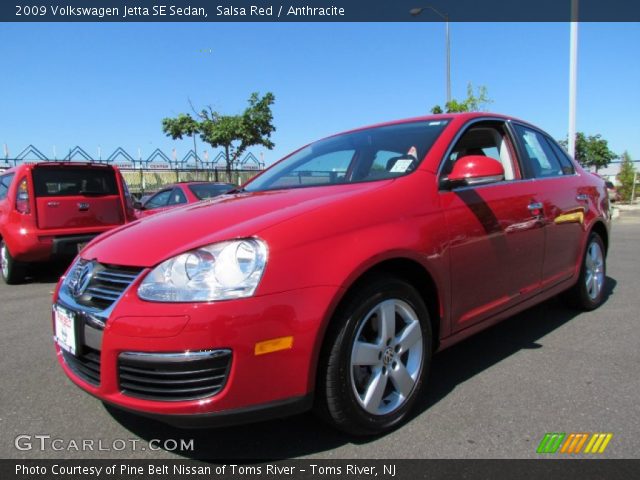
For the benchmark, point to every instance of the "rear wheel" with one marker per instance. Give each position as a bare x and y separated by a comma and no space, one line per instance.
588,293
376,358
12,272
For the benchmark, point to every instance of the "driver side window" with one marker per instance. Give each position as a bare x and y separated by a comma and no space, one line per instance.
488,139
160,199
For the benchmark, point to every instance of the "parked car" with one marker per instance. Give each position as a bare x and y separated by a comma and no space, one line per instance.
331,278
52,209
180,194
614,196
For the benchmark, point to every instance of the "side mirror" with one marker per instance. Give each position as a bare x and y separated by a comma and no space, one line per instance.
137,205
475,170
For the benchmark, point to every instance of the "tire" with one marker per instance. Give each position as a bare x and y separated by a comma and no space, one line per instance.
11,271
588,292
372,370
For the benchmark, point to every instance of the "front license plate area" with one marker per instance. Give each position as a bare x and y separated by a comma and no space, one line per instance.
65,324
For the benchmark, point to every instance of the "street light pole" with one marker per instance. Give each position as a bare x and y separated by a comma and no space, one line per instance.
417,11
573,77
446,19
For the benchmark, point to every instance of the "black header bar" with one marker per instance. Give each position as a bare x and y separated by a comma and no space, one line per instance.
318,11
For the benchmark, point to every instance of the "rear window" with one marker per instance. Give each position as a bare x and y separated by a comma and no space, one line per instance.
207,190
66,181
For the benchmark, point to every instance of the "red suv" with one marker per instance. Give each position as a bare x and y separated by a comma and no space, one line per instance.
55,208
180,194
332,277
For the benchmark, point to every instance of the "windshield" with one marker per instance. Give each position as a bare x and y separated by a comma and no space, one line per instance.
376,153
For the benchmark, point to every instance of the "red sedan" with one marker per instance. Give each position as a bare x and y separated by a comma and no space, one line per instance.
179,194
330,279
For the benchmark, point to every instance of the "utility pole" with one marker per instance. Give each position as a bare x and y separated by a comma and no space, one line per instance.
573,77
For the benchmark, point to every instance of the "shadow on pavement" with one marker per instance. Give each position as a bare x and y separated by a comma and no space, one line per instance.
49,272
305,434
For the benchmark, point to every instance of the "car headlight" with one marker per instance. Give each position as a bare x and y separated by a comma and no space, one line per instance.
221,271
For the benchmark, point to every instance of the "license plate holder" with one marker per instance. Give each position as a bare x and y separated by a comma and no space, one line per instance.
65,329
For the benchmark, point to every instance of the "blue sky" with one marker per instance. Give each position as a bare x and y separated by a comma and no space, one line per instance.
109,85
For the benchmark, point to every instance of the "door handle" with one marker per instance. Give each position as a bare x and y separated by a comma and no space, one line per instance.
582,197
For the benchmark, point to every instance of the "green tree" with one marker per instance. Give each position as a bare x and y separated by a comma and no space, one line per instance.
236,133
592,151
626,177
183,124
473,103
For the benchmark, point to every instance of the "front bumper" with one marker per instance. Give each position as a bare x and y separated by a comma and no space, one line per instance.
255,386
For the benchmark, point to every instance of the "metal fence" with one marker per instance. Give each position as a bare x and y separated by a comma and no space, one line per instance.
151,173
141,181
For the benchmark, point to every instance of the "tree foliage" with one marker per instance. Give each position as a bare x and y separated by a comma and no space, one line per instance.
233,133
183,124
592,151
236,133
473,103
626,177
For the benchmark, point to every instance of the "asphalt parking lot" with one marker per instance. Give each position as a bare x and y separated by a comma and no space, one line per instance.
549,369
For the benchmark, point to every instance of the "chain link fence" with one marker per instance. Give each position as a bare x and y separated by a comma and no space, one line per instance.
143,181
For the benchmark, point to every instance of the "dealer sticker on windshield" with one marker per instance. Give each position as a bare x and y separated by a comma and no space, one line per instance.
65,329
401,166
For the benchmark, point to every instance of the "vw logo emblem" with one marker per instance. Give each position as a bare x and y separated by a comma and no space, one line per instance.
388,356
84,278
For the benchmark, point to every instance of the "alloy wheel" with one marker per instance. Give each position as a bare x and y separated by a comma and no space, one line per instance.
4,260
387,357
594,270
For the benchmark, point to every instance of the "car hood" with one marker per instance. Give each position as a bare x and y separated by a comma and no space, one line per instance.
147,242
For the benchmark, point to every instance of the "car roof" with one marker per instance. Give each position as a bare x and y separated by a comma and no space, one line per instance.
30,165
461,117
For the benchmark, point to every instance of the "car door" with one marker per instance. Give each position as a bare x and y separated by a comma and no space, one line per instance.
496,238
564,205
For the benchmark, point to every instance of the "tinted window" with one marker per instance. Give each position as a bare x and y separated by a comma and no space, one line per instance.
208,190
540,161
5,181
177,197
160,199
365,155
67,181
563,158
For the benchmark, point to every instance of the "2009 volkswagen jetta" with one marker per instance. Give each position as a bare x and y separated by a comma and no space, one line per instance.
331,278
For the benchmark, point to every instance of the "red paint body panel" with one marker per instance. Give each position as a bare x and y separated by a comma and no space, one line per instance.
487,252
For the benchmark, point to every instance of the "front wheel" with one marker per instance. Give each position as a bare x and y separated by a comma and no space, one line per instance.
588,293
376,358
12,272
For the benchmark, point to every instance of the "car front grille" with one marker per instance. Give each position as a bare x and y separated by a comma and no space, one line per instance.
173,377
86,365
106,284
